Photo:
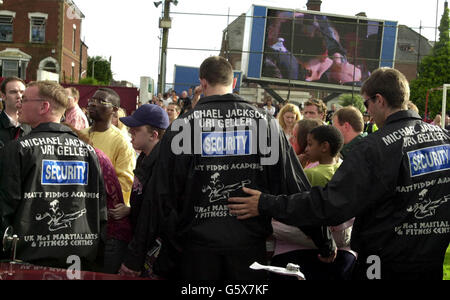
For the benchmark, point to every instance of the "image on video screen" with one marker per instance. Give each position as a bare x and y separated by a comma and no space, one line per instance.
318,48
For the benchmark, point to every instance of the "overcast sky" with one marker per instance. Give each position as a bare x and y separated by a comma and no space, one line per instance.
128,30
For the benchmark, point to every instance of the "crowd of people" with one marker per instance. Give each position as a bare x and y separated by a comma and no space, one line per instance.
182,104
198,187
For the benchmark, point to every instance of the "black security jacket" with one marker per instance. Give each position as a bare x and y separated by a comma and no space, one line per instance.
396,182
8,131
194,175
52,193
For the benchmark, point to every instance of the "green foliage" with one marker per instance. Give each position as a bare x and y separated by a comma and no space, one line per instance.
101,68
89,81
444,30
433,73
355,100
447,264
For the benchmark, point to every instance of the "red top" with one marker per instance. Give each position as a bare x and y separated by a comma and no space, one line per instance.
117,229
76,117
10,271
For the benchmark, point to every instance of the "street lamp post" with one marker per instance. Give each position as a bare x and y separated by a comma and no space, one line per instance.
446,87
165,23
93,67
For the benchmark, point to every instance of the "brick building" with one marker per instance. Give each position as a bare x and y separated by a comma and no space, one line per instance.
40,36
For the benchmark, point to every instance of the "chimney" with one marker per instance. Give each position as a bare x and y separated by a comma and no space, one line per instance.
313,5
361,14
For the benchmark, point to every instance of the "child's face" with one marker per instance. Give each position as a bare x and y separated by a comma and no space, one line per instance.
313,148
140,137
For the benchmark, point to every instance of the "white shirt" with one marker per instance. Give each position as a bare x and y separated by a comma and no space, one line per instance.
167,101
270,110
17,124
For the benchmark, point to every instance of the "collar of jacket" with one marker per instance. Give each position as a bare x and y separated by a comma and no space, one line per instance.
220,98
144,171
5,121
53,127
402,115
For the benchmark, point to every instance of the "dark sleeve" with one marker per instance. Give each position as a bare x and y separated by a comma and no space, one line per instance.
293,181
356,186
170,187
99,169
175,210
10,183
103,209
145,232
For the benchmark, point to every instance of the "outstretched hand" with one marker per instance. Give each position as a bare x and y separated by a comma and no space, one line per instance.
245,207
119,211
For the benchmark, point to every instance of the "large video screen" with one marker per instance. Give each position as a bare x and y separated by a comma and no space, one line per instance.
319,48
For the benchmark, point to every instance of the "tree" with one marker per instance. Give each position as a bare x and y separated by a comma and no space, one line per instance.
434,72
355,100
89,81
444,37
100,69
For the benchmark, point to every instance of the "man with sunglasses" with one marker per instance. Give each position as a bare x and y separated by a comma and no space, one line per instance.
396,184
51,188
110,139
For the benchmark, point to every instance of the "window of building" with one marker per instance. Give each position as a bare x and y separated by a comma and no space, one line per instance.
49,64
406,47
6,28
10,68
37,29
14,62
74,34
72,75
50,67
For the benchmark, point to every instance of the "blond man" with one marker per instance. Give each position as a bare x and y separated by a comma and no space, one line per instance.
51,185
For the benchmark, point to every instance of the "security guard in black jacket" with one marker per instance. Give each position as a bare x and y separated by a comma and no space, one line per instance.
396,184
51,188
207,155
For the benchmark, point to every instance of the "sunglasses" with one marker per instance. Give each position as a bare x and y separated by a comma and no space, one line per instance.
366,101
94,101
